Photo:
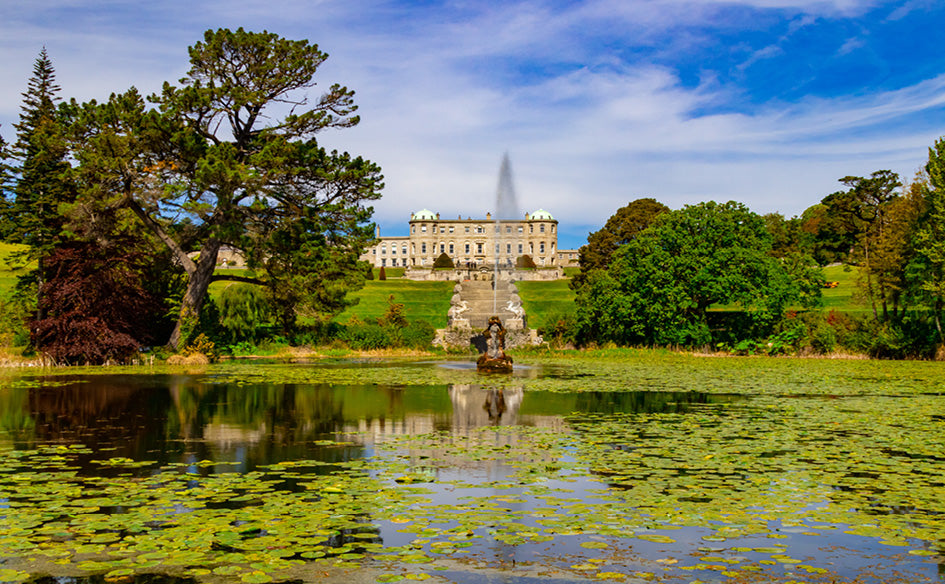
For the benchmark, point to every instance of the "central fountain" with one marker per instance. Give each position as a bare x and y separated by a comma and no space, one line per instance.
494,359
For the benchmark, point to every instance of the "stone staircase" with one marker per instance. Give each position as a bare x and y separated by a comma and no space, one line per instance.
473,303
479,298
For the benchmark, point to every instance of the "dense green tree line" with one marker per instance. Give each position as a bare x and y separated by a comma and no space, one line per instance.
155,188
651,275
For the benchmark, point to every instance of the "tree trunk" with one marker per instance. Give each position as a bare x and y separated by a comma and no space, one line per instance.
938,319
198,282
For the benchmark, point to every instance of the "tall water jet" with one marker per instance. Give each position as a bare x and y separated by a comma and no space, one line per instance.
506,209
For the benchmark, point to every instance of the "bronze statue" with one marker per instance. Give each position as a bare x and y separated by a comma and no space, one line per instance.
494,359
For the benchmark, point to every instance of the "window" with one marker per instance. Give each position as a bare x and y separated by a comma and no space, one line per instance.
479,248
423,247
451,229
497,249
384,249
423,229
541,228
531,229
541,247
508,229
496,228
413,229
393,249
552,228
383,262
393,262
508,248
467,229
442,248
403,249
520,229
479,229
467,248
451,248
520,248
442,229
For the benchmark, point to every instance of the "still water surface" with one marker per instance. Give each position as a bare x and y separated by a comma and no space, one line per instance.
123,476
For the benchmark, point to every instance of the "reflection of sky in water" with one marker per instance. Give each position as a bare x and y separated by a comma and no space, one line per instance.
188,419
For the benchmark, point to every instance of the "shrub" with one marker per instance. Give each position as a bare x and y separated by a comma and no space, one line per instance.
382,274
418,334
443,261
559,328
525,262
394,315
364,336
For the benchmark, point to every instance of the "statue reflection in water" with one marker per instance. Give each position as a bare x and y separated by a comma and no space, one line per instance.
475,406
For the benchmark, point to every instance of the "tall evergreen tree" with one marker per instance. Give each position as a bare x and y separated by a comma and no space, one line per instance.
41,170
929,263
40,178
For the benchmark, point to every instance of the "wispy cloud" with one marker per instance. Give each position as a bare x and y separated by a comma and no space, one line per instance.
598,101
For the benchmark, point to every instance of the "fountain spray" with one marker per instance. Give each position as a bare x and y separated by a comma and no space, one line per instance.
506,208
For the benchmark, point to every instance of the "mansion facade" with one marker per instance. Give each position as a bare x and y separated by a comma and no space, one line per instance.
469,242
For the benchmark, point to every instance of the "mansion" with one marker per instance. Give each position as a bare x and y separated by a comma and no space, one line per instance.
471,242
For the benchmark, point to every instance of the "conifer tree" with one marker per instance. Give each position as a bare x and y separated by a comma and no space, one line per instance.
929,263
230,157
41,172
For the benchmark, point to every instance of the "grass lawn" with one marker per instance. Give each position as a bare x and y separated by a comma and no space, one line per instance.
7,276
544,299
841,297
427,301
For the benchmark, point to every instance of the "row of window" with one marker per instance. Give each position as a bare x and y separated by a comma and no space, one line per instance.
481,229
403,263
479,248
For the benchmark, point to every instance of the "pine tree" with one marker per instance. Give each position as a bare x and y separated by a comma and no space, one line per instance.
41,174
929,264
40,167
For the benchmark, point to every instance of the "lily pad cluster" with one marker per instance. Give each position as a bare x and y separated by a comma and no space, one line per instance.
792,471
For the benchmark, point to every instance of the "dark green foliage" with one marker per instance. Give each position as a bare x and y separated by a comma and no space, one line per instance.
364,336
40,153
525,262
443,261
221,156
418,334
558,328
368,271
243,309
928,266
43,182
659,286
621,228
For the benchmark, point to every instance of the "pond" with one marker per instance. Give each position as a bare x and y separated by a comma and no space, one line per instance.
635,467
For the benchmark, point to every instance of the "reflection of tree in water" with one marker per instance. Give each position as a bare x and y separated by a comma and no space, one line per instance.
609,402
16,423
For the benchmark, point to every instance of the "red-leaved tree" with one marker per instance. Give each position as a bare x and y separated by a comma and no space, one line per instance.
95,307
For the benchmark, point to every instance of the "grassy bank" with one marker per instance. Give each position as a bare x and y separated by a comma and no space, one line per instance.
427,301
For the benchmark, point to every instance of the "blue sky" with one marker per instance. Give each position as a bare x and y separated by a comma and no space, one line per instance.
599,102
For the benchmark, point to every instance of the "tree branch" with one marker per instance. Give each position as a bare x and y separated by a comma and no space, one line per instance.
217,277
189,266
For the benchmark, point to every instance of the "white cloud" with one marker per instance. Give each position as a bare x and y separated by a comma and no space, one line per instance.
445,90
